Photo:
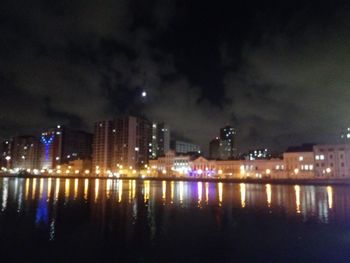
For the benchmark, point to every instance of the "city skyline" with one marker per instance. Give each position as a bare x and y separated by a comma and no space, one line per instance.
174,131
270,72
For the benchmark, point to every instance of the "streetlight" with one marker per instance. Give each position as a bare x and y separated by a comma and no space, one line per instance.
8,158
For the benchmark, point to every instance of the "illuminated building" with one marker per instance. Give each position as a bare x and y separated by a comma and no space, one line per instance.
102,145
183,165
6,154
60,145
182,147
258,154
160,141
193,166
25,152
332,161
121,142
131,141
51,148
345,135
272,168
223,147
299,161
201,167
227,136
219,149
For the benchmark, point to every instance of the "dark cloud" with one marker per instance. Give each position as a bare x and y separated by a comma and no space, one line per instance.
278,71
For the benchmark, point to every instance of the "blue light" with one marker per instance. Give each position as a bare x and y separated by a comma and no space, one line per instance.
47,142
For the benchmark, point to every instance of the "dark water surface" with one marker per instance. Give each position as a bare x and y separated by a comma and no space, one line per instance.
98,220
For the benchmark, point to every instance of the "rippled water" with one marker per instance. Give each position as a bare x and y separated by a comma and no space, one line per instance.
84,220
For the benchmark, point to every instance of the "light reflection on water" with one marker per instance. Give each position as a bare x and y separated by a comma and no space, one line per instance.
107,214
324,203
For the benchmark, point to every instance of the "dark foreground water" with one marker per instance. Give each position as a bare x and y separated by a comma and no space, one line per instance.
97,220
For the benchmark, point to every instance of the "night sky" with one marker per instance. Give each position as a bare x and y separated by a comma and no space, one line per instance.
276,70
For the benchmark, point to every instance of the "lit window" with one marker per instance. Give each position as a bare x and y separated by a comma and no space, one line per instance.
317,157
321,157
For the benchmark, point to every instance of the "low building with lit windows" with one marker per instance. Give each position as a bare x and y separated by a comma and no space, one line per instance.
273,168
332,161
171,164
299,162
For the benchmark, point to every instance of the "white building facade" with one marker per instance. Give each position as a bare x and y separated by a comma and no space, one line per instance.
332,161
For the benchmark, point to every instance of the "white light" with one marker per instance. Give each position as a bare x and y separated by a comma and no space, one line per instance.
328,170
144,93
8,158
301,158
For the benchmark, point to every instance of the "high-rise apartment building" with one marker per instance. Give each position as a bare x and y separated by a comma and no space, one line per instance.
103,145
76,145
131,143
219,149
51,148
122,142
227,135
60,145
160,142
25,152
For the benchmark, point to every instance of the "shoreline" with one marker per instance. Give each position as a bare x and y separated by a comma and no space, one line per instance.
321,182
